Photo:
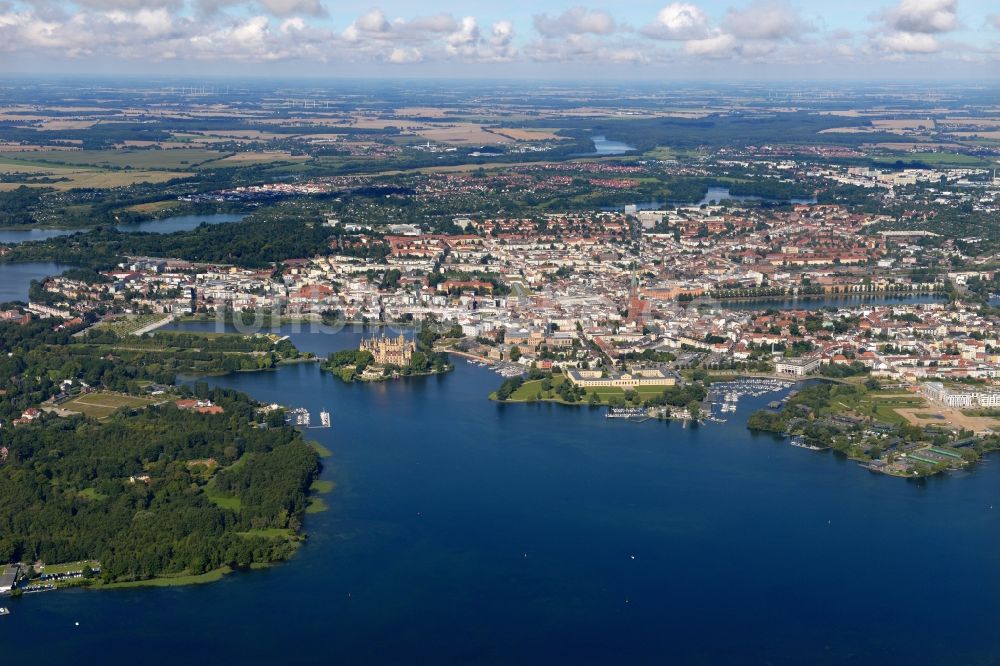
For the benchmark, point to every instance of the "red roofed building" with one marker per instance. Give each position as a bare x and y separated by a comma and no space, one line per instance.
200,406
314,291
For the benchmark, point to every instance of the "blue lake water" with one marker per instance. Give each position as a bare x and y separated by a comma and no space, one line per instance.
466,532
712,195
806,303
25,235
605,146
15,279
165,226
179,223
719,194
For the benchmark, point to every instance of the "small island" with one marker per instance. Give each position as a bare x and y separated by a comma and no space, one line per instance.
382,358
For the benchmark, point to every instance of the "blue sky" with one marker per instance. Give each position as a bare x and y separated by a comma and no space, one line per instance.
710,39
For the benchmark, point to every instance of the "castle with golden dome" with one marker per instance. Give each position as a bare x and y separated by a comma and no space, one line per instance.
390,351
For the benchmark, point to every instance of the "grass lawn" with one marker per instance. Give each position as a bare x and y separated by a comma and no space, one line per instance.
530,390
91,494
881,406
321,486
171,581
102,404
661,153
316,505
321,450
935,159
68,567
222,500
270,533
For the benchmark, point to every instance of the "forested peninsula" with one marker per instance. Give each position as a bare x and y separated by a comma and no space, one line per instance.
104,459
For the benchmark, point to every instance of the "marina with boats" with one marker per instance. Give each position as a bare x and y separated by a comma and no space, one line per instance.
301,417
724,397
634,414
502,368
801,443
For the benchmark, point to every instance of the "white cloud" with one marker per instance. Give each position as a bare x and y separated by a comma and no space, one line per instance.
467,42
293,7
912,27
373,21
575,21
26,30
279,8
754,32
403,56
679,21
910,42
374,26
438,23
757,49
623,56
130,4
765,21
501,33
375,36
585,49
717,46
924,16
294,24
248,31
464,39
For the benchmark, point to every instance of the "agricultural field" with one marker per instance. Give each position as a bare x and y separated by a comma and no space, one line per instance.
152,207
459,133
262,157
64,177
178,158
527,135
102,404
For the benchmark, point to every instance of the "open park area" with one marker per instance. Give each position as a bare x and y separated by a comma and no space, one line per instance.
102,404
935,414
